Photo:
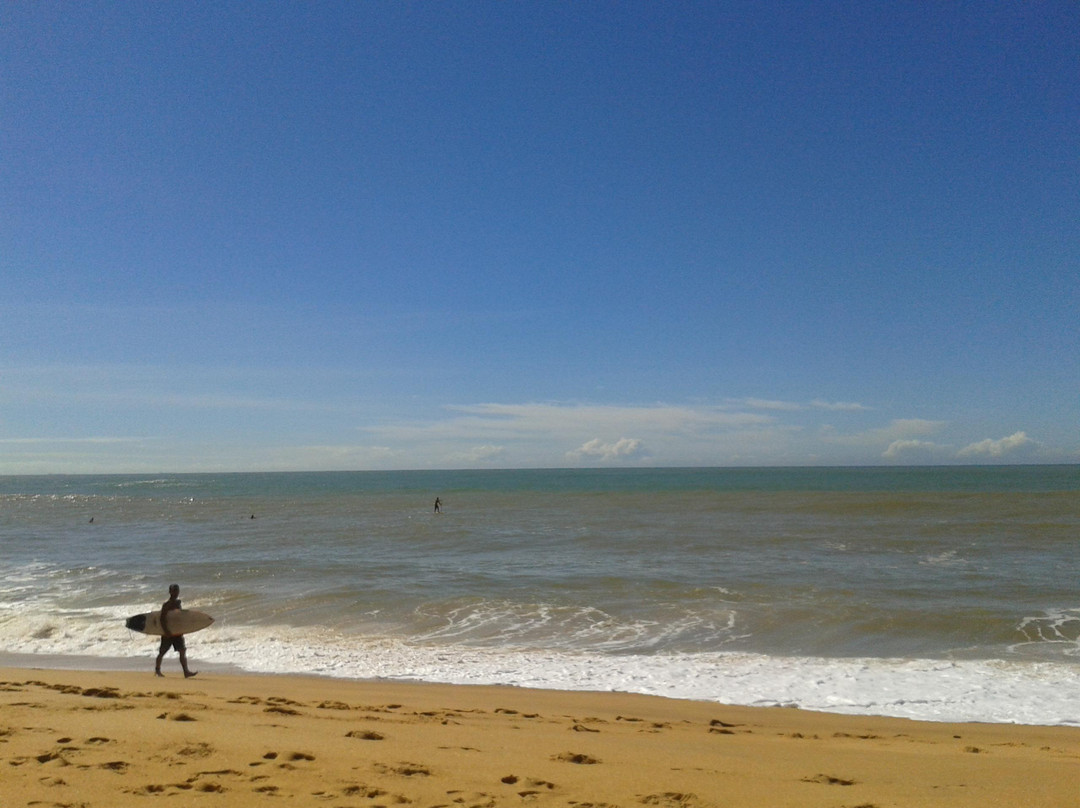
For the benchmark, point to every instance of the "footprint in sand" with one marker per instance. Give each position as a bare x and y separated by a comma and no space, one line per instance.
177,717
859,737
829,780
197,750
365,735
406,769
476,799
281,710
576,757
246,700
295,757
366,792
280,701
670,799
333,705
537,784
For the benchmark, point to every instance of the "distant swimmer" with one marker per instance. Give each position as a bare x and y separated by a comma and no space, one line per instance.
175,641
438,505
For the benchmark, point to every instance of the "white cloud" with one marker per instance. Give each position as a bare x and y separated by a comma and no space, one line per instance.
899,429
905,449
479,455
1014,443
622,449
777,405
838,406
61,441
570,424
486,452
552,434
591,416
768,404
251,423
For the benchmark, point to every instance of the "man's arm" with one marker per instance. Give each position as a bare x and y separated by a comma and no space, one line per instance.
167,607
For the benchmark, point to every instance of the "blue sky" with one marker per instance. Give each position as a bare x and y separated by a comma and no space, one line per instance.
259,236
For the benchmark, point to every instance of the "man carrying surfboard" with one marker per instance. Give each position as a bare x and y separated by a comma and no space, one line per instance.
172,640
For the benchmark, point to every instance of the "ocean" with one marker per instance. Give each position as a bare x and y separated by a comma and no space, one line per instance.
944,593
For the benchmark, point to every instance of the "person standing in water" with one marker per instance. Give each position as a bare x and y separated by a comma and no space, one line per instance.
175,641
438,505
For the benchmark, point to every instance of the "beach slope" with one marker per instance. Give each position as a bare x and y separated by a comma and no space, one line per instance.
115,739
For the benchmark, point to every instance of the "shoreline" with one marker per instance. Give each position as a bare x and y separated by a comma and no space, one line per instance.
950,707
117,737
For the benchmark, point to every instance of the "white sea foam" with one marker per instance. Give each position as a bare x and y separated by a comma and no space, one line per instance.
1060,626
937,690
1041,693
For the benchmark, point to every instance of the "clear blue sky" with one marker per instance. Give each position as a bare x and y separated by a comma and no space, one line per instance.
255,236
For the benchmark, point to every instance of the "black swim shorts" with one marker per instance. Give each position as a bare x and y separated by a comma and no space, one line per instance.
176,643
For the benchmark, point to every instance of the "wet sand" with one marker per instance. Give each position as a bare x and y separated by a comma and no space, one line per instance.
116,738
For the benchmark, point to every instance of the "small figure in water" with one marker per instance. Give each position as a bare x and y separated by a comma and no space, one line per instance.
438,505
172,640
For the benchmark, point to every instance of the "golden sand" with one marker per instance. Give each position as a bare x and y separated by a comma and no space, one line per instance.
112,739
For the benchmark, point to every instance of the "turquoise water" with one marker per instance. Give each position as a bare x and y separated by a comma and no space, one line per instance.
735,585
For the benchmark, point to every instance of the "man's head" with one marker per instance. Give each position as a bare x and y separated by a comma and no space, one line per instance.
174,590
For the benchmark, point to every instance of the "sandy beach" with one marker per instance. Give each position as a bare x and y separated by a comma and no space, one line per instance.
89,738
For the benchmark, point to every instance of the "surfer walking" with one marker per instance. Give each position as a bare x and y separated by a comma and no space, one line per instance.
175,641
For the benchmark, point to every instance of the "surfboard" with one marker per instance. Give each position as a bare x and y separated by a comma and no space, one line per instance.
180,621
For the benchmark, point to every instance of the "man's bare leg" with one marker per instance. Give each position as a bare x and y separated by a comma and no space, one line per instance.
183,664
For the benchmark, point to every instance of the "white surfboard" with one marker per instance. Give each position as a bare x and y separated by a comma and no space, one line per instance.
180,621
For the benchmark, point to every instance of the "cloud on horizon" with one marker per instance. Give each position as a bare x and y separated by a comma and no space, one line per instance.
1016,443
557,433
624,448
795,406
256,432
913,449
